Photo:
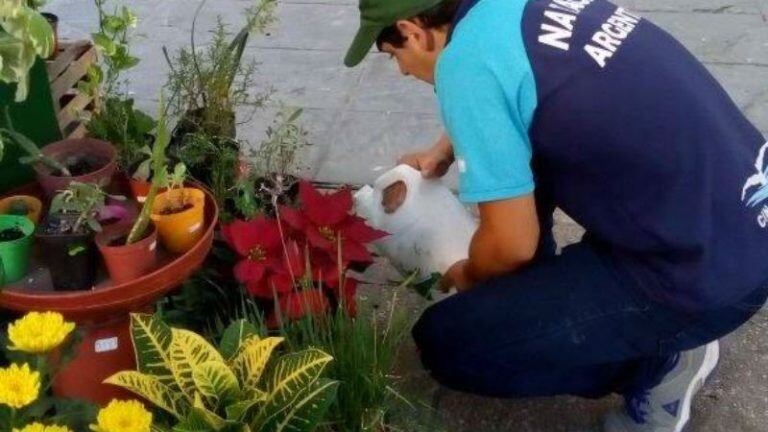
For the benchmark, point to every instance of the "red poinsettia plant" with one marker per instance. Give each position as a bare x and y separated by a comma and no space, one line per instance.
301,258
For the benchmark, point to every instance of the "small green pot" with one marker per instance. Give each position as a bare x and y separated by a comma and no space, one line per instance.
14,255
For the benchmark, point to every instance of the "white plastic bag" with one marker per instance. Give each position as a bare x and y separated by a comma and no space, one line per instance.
430,231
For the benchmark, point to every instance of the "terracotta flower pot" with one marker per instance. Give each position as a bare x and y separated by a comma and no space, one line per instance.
34,206
70,258
14,254
95,152
179,231
126,263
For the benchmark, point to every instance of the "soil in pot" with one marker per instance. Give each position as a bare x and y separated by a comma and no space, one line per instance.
70,257
15,247
90,160
11,234
175,210
81,165
128,262
180,221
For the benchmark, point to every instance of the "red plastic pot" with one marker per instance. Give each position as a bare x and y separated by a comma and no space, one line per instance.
126,263
62,150
102,314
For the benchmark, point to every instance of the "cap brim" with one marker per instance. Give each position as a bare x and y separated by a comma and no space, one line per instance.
361,45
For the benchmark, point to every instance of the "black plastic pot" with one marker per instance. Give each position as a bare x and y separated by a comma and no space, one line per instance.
72,259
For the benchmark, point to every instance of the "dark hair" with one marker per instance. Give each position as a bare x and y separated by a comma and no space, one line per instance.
434,17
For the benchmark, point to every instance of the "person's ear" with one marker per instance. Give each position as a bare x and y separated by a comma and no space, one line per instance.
413,33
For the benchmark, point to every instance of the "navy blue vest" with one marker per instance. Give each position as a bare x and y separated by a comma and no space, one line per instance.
637,142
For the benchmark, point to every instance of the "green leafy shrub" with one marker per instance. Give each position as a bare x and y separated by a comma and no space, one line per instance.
128,129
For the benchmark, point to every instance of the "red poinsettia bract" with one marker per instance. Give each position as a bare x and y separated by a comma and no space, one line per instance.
328,225
262,262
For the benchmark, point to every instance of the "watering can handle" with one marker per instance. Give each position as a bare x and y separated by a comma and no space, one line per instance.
408,175
405,173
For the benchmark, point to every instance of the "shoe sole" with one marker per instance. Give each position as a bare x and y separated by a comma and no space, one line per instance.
711,357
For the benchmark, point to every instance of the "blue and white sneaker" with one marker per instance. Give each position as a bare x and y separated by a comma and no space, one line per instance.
667,407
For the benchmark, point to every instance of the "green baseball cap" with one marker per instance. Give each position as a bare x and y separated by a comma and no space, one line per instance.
375,16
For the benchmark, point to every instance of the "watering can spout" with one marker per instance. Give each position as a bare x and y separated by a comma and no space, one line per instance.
364,202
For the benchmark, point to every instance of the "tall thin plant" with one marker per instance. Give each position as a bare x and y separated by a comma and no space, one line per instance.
162,139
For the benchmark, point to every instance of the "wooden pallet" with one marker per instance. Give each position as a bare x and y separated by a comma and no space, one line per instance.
68,68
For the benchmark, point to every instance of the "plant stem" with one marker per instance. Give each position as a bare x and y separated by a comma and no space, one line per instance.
194,48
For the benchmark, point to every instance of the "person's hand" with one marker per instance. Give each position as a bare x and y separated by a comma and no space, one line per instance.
457,277
433,162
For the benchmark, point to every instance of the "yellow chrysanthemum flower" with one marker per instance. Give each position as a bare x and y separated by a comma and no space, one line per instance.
19,386
39,332
38,427
123,416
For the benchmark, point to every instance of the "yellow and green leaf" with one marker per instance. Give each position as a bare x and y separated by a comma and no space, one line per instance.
215,381
151,389
304,414
151,341
188,351
293,374
234,337
251,361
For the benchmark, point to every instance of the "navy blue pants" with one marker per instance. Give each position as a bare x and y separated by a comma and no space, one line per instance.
563,325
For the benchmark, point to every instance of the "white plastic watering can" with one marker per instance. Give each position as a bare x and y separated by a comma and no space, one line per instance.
429,228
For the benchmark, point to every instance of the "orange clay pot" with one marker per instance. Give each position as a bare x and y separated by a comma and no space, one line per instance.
33,204
179,231
127,263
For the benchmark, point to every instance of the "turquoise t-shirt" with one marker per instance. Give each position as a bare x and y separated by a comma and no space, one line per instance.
487,97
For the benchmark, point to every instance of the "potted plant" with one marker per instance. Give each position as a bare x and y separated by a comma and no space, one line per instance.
22,205
15,246
207,85
277,162
86,160
67,233
83,160
179,212
132,252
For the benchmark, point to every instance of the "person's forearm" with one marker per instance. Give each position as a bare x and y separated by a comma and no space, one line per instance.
498,248
485,263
